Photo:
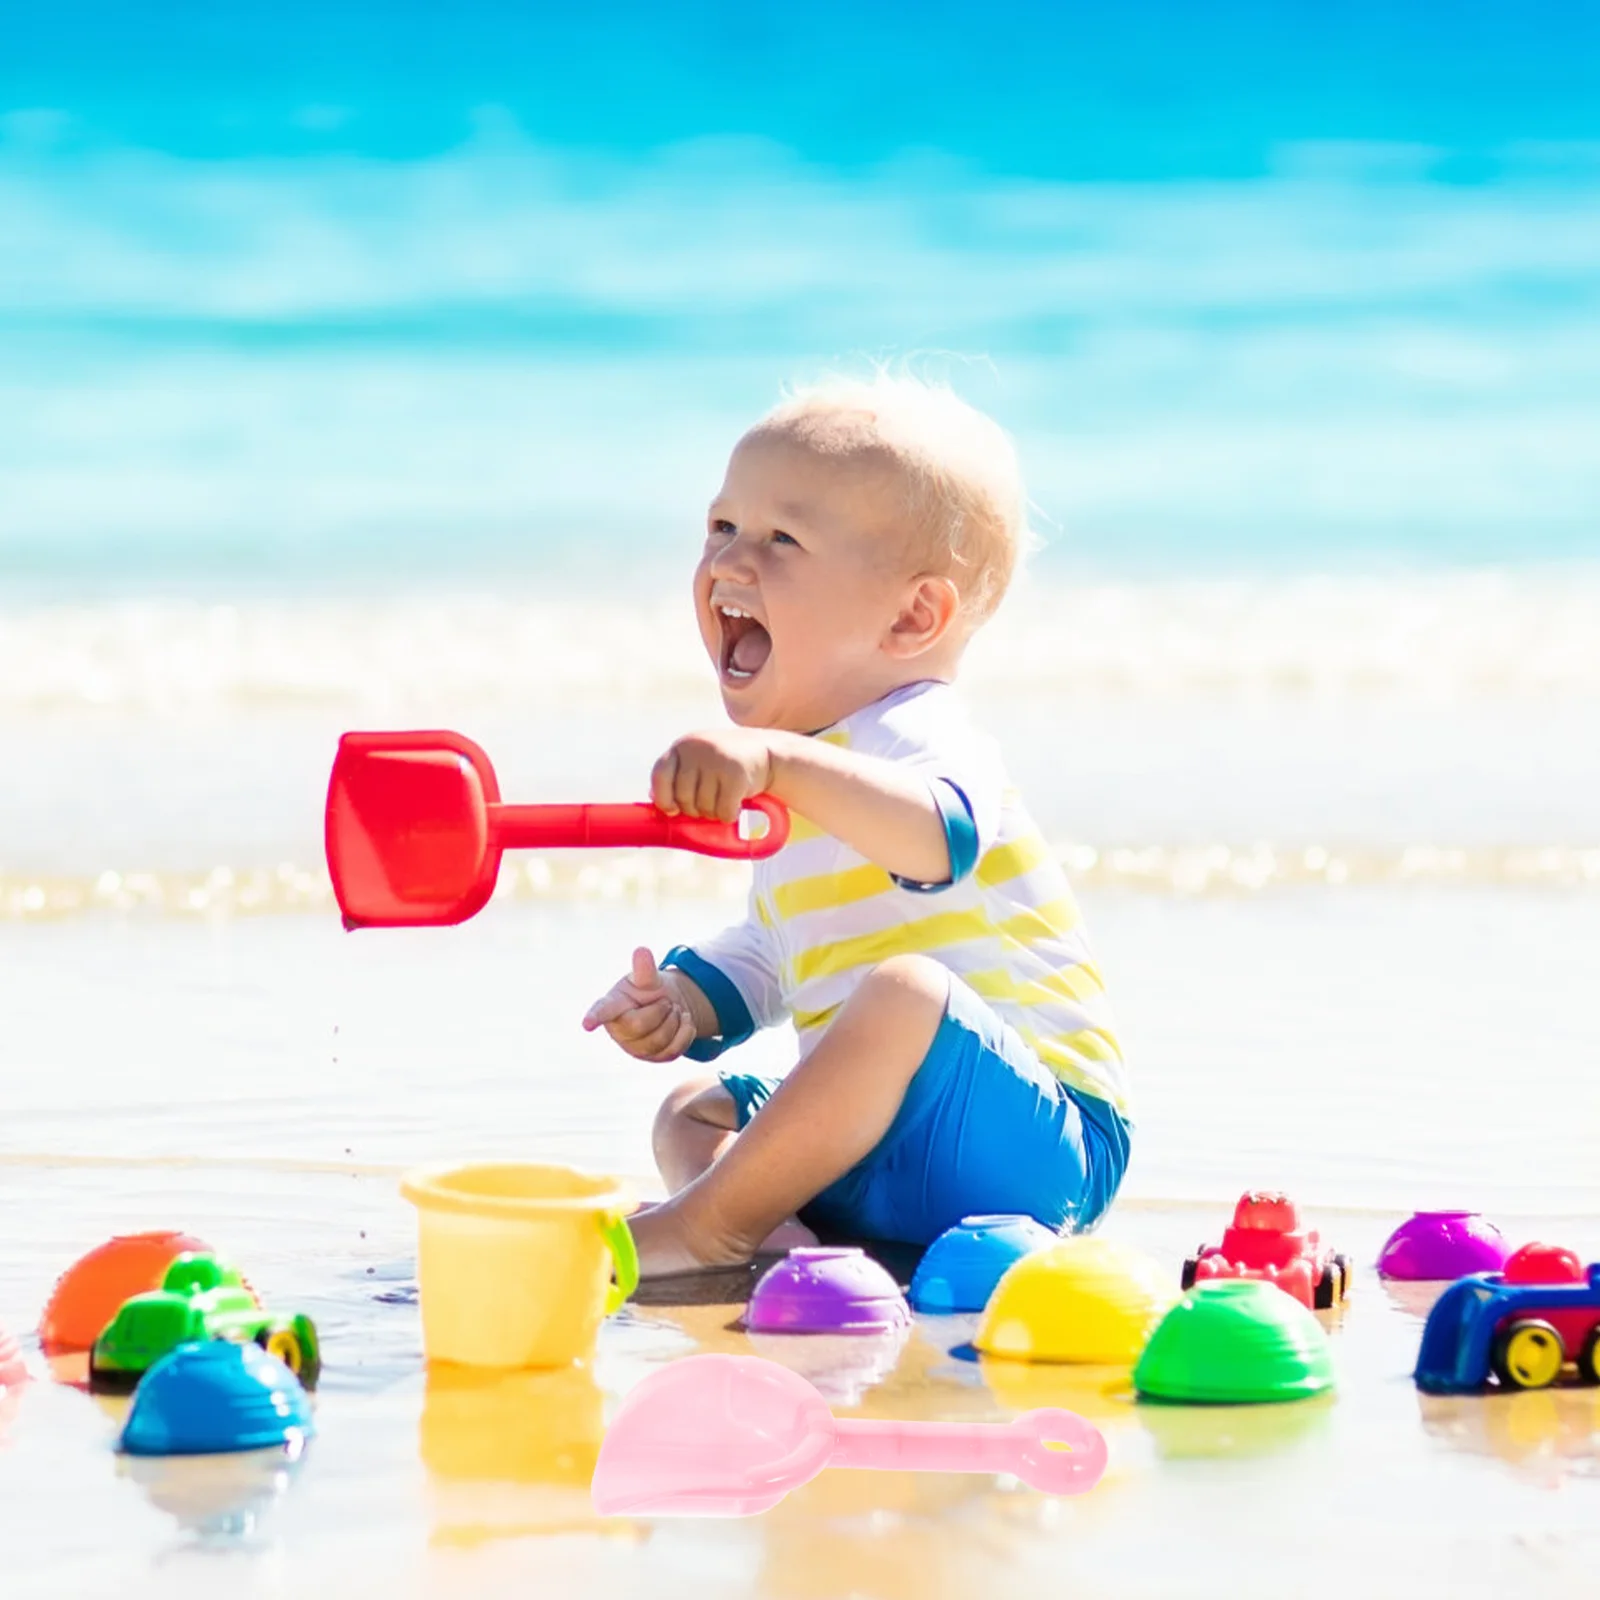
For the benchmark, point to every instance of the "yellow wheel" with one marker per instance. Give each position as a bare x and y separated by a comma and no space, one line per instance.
1589,1357
1528,1355
284,1344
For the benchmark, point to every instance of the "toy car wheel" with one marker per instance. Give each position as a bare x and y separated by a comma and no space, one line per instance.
1346,1271
284,1343
1187,1279
111,1380
1589,1357
1527,1354
1326,1294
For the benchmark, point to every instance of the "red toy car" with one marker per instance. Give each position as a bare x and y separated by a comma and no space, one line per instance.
1267,1242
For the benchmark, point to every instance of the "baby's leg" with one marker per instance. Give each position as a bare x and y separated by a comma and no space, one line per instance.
696,1122
823,1118
694,1125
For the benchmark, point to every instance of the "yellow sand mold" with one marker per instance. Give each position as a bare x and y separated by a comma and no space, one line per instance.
1081,1300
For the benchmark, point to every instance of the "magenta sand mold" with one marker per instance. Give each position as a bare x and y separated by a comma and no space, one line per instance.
826,1289
1442,1245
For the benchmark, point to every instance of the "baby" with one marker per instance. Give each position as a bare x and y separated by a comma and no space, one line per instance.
956,1049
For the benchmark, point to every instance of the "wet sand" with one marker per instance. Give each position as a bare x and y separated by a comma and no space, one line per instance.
437,1484
259,1082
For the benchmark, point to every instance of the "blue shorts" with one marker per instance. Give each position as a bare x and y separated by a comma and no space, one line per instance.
984,1127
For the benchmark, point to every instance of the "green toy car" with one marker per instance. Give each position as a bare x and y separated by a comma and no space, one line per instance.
200,1298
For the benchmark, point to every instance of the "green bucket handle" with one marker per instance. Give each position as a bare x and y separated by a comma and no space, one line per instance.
624,1258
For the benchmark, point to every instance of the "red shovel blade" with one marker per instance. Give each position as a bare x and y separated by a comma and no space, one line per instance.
407,829
414,829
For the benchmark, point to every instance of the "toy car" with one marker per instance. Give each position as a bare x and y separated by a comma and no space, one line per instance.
1523,1326
200,1298
1267,1242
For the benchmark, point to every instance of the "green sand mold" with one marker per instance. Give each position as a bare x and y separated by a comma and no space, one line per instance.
1235,1342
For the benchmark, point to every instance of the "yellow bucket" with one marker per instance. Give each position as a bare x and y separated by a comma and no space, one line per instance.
515,1261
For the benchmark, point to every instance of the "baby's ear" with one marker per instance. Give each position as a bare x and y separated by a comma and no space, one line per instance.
927,615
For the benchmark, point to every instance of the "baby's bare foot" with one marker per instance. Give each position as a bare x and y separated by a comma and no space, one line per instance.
669,1244
790,1235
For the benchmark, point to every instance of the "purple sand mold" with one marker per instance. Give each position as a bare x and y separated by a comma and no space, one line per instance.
826,1290
1437,1245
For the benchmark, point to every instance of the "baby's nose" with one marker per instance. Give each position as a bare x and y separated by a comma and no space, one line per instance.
732,561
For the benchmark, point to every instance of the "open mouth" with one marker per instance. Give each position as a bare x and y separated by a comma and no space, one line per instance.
746,644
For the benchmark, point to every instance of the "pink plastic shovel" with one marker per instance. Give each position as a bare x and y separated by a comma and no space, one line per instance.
730,1436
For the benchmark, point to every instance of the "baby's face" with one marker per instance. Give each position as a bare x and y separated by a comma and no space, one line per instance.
806,568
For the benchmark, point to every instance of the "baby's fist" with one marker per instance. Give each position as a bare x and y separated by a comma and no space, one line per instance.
643,1013
712,774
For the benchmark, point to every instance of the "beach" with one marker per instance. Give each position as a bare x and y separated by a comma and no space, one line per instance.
377,372
1344,903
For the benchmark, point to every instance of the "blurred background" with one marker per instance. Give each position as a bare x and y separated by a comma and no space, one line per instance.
372,365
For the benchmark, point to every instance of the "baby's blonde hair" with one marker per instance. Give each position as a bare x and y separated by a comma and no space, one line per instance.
968,507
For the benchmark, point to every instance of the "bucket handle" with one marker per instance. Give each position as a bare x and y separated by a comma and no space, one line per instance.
624,1258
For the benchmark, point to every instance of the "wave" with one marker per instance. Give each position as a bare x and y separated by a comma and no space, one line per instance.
1189,871
1428,637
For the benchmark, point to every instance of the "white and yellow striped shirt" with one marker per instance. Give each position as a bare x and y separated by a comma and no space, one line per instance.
822,916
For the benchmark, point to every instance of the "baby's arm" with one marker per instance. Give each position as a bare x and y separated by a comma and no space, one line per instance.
884,811
654,1015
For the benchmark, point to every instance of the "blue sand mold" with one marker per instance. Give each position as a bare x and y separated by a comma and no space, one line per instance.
205,1399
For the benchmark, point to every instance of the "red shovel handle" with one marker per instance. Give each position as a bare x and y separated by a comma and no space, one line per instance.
612,827
712,838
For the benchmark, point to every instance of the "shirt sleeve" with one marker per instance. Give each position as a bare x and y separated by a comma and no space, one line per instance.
737,970
967,782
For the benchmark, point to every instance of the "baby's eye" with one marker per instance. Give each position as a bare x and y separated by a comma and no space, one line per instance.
723,526
780,537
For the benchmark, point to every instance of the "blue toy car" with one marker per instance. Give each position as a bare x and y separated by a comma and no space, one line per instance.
1523,1326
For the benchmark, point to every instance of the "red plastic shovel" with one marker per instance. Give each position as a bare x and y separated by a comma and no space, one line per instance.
415,827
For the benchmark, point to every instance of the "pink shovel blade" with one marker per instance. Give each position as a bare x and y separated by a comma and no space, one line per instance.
729,1436
712,1436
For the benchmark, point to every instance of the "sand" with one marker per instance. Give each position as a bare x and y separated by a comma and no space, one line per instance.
183,1072
427,1484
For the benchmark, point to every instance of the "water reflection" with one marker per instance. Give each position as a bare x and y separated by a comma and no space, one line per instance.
1101,1394
1544,1435
841,1367
70,1367
10,1405
222,1500
511,1454
1215,1432
1412,1297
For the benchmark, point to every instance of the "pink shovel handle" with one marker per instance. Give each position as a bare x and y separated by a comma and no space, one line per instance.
1021,1447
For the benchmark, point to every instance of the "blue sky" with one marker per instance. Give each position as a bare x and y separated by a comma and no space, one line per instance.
1264,284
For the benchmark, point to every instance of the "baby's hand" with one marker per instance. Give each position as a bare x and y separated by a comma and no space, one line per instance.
643,1014
712,774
